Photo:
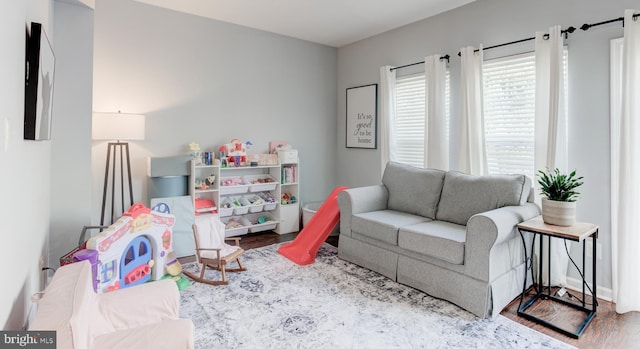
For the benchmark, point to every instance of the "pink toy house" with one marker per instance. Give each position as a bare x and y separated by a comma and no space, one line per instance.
236,152
133,250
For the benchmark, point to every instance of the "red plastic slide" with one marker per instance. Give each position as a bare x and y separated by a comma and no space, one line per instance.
304,248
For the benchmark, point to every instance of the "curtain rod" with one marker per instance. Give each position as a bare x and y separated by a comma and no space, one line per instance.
619,19
546,36
568,30
412,64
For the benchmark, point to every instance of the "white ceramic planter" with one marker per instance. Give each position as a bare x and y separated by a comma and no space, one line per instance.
558,212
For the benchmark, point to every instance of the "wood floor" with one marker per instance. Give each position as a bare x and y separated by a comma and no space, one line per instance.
608,329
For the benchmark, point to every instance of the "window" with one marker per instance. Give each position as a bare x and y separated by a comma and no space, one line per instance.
410,115
509,113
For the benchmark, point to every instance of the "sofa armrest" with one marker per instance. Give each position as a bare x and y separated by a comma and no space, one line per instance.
63,306
358,200
489,229
137,306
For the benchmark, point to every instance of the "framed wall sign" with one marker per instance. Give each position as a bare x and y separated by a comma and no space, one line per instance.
362,119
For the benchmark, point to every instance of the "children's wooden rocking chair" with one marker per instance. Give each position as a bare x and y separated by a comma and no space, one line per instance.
212,251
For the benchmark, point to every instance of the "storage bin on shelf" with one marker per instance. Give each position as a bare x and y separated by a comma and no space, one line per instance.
241,205
233,185
256,203
234,205
235,226
260,222
226,208
262,182
269,201
288,156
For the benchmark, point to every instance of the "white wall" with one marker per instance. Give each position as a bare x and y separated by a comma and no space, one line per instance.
205,81
71,144
25,168
492,22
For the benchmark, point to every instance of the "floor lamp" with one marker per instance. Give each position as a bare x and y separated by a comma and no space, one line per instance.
119,127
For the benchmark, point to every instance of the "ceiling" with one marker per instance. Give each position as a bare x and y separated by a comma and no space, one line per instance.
329,22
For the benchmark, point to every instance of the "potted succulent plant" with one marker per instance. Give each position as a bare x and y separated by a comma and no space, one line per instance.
559,189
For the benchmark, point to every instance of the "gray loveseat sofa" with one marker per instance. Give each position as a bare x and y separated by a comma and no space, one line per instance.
449,234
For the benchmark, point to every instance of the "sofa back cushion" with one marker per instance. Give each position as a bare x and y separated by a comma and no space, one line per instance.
464,195
413,189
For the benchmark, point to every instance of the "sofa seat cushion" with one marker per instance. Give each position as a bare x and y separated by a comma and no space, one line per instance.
166,334
465,195
438,239
413,189
383,225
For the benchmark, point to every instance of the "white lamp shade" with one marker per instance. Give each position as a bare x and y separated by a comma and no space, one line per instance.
117,126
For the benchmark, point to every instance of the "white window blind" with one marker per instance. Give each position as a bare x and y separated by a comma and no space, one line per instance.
509,101
410,115
410,109
509,113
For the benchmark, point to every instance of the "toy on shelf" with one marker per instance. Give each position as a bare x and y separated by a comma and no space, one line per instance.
194,152
133,250
200,184
210,180
223,156
204,206
234,153
288,199
206,182
207,158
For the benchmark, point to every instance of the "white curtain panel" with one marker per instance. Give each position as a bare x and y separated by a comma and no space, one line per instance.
472,158
615,129
550,118
436,145
551,131
626,171
387,115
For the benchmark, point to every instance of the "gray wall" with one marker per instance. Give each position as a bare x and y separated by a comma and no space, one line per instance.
206,81
491,22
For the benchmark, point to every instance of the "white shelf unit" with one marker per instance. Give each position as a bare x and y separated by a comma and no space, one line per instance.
240,189
198,174
290,213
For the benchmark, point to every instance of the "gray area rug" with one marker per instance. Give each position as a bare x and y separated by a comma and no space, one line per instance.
335,304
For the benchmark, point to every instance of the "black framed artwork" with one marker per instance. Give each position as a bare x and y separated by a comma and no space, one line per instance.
362,117
39,74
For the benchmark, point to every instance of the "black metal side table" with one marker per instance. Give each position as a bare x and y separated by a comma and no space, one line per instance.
578,232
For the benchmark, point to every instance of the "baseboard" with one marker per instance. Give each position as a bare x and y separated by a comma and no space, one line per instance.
32,314
602,292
